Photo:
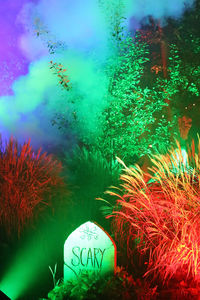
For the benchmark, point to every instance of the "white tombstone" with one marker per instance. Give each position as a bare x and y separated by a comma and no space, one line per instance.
88,249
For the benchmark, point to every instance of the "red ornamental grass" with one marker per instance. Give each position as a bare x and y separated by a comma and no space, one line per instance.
25,178
163,214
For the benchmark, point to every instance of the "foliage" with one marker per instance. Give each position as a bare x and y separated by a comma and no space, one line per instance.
53,273
134,121
60,72
163,215
113,12
87,164
26,180
183,38
182,87
89,174
121,285
184,33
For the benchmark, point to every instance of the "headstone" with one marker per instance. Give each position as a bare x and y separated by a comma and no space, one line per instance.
89,249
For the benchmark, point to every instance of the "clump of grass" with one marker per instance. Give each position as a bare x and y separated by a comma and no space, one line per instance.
90,165
89,175
163,214
26,182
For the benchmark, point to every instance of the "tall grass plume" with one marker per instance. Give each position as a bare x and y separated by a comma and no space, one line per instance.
163,214
26,182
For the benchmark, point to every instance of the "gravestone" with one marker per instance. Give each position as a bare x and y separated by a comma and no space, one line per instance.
89,249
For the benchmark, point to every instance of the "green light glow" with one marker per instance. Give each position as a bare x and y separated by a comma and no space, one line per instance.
29,264
23,271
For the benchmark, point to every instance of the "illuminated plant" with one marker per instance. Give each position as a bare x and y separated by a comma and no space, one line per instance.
90,173
163,214
60,72
182,87
136,120
26,179
121,285
131,116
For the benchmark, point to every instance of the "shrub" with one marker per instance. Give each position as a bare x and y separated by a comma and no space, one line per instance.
26,180
163,215
121,286
89,174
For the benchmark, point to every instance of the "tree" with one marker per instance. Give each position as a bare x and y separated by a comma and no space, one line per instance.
183,38
135,123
